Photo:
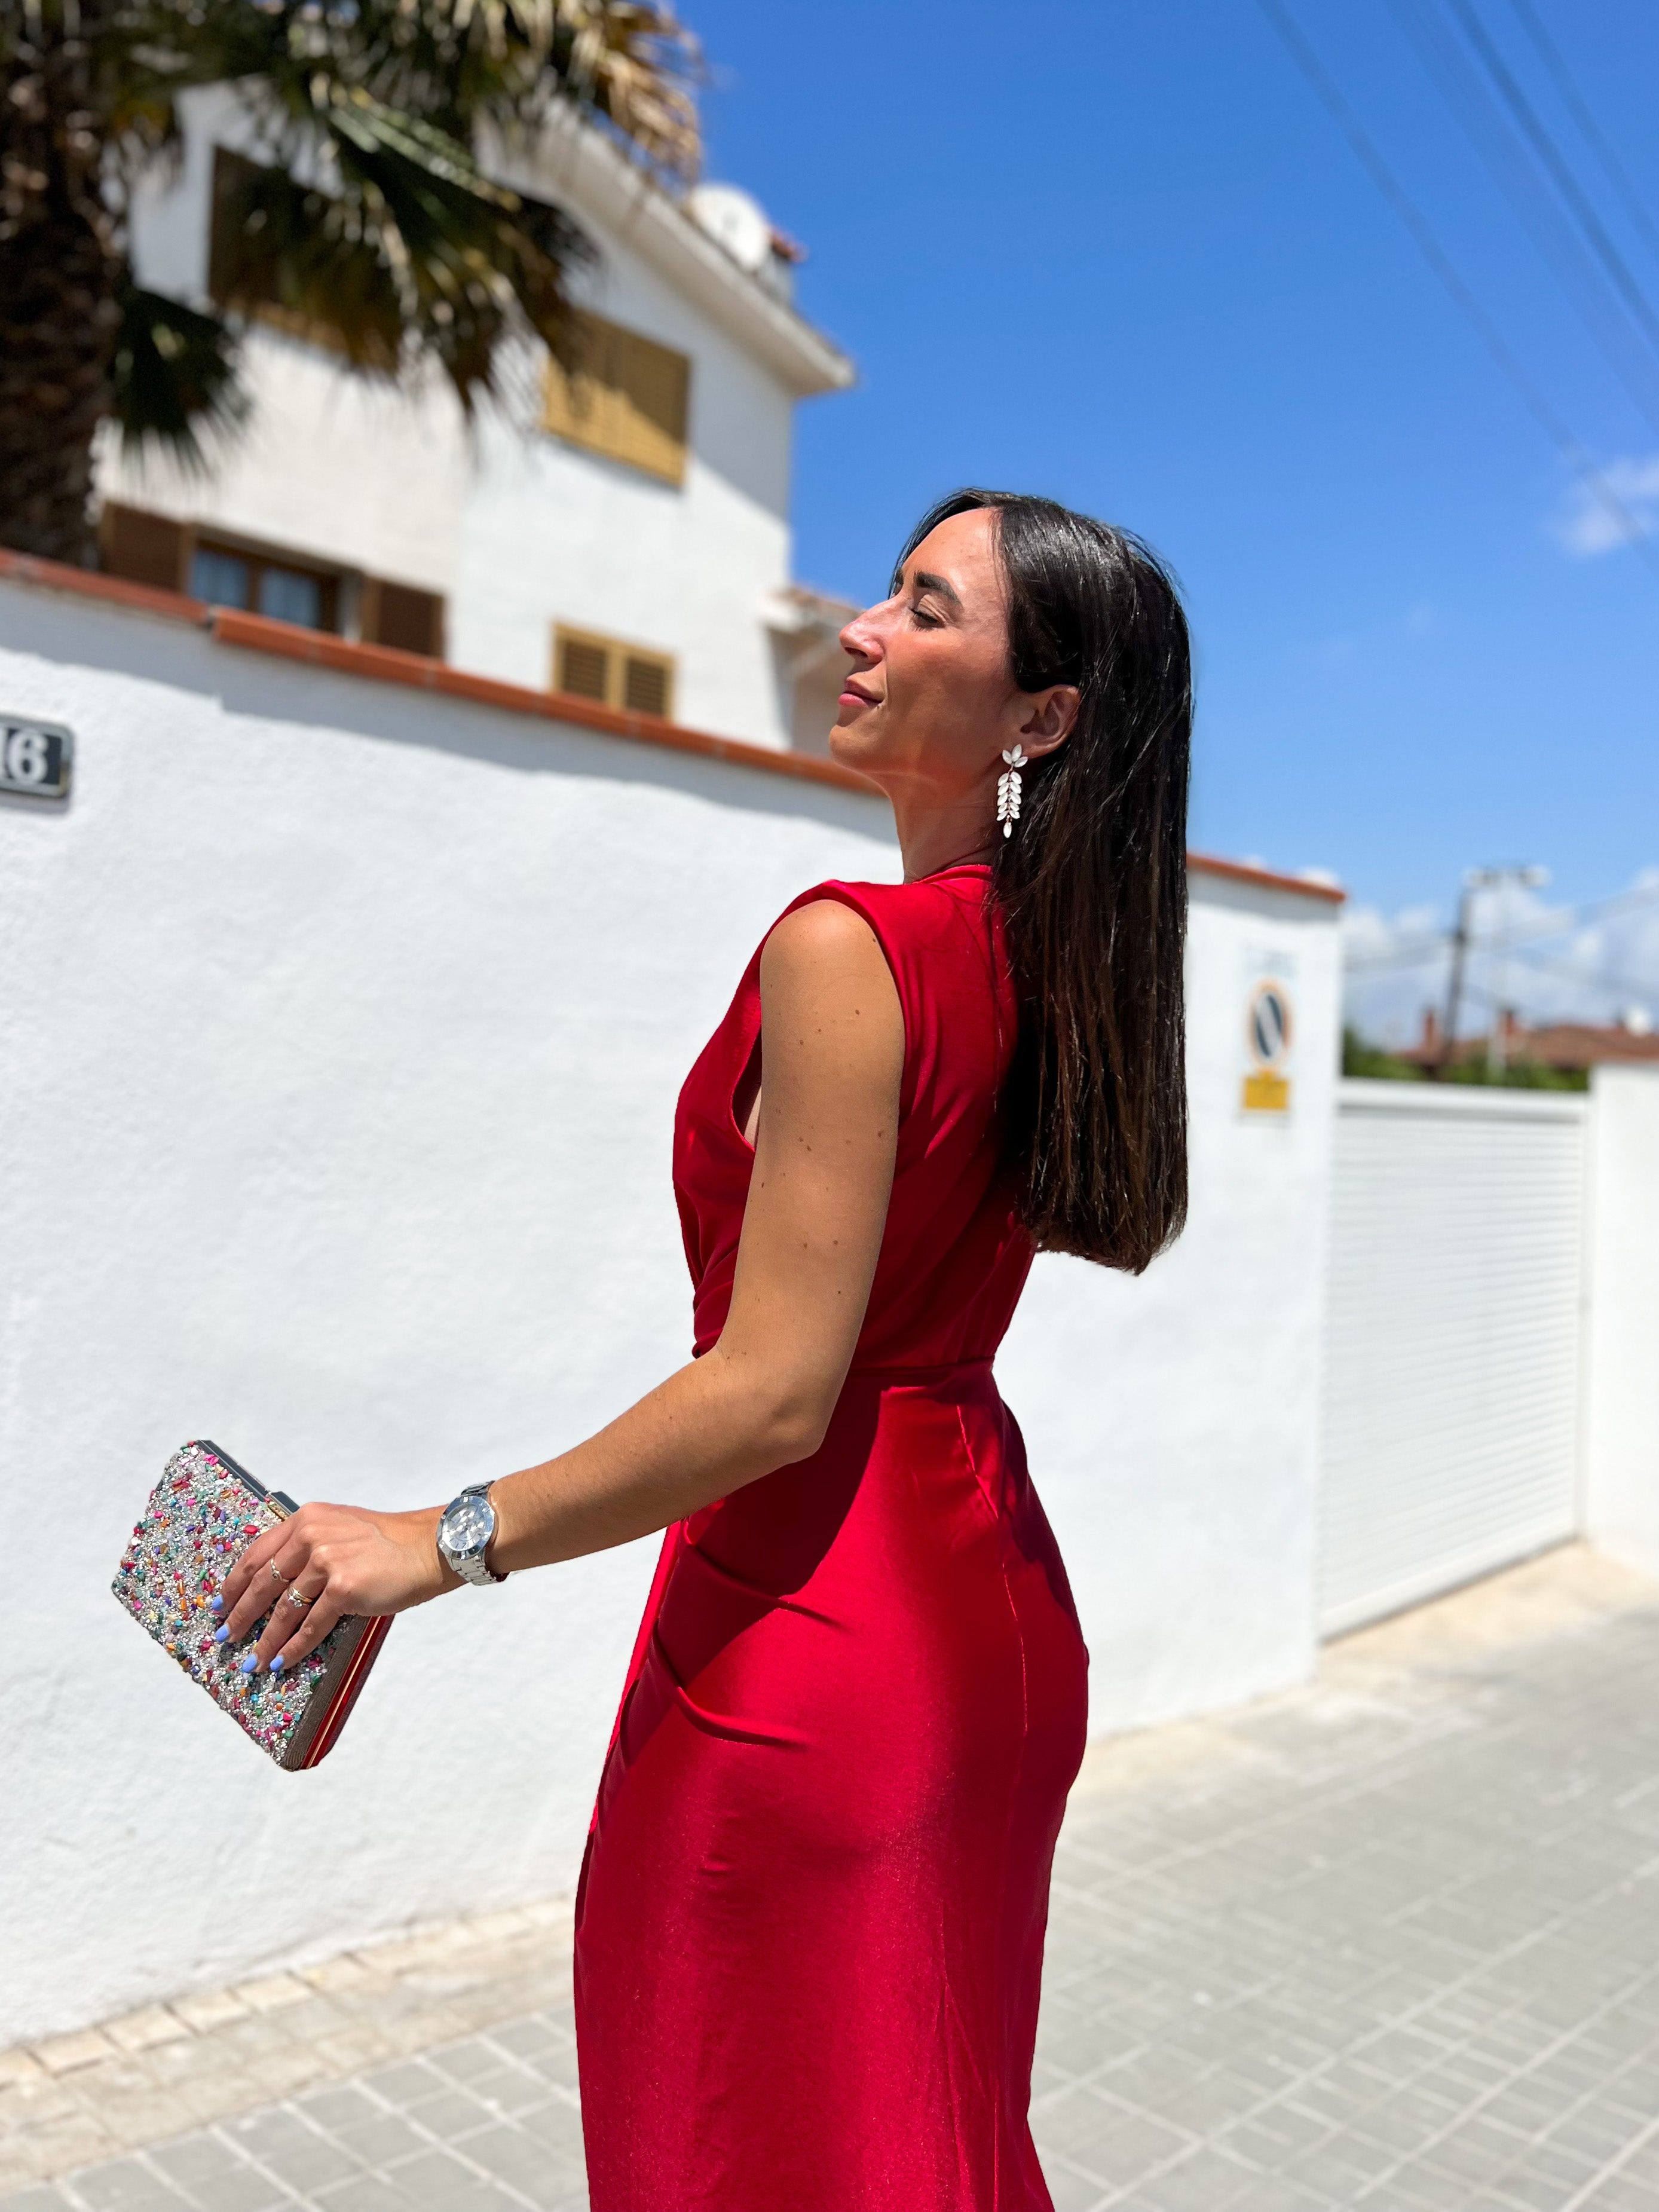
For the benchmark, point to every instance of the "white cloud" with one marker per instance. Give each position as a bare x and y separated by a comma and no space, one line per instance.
1600,970
1589,526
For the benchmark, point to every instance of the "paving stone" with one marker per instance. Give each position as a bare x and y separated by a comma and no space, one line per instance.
337,2109
121,2185
366,2193
450,2115
66,2054
528,2040
435,2180
558,2126
240,2188
1073,2191
405,2085
510,2155
206,2009
379,2141
468,2062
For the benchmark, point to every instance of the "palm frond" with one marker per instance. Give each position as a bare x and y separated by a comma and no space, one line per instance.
174,376
415,248
458,64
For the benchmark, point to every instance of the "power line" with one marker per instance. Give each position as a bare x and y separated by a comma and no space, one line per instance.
1417,951
1543,144
1617,982
1554,238
1579,108
1429,246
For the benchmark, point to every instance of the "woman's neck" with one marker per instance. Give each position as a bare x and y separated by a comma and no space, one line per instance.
935,837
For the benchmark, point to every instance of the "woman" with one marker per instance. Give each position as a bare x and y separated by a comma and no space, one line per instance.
810,1929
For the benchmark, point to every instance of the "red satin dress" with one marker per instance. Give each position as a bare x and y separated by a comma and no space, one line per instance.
809,1934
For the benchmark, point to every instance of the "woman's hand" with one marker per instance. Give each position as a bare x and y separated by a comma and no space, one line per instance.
321,1563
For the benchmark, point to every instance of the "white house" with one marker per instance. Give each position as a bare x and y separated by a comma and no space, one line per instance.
623,535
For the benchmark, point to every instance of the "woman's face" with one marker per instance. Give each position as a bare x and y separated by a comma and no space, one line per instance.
929,702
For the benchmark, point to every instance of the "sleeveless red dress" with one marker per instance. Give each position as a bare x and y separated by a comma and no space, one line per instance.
809,1934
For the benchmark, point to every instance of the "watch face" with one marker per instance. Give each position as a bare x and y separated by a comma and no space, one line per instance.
469,1524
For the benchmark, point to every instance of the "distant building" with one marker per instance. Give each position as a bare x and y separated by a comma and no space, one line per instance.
1568,1047
626,539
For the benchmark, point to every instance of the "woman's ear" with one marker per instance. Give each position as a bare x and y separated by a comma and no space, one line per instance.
1051,720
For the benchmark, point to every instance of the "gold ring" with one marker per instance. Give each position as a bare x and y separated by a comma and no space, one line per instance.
295,1600
277,1574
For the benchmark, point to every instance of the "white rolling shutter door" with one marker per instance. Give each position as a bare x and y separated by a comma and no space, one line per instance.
1452,1330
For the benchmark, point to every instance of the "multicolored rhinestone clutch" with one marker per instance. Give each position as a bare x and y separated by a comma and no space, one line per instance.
202,1515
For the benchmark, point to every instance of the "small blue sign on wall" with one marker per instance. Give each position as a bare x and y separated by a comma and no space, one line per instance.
35,758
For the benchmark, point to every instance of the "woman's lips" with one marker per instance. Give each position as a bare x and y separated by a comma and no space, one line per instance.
851,693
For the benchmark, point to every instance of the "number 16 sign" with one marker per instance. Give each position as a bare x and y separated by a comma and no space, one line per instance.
34,757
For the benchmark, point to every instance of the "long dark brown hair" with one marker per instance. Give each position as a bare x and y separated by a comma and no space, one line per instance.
1092,884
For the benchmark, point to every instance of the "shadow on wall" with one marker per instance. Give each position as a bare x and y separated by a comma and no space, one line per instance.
135,646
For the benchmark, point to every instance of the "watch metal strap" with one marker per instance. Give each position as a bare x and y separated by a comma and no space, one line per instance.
475,1567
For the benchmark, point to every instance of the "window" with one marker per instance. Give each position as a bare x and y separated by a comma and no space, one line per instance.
230,576
629,676
627,398
267,580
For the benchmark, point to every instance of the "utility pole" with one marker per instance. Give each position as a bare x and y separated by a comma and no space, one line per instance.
1455,988
1499,878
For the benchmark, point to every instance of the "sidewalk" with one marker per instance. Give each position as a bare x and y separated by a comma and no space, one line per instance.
1391,1940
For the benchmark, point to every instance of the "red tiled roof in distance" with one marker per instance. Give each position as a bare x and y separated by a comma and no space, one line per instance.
1567,1046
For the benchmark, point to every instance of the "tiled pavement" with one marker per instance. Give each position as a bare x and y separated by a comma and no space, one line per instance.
1391,1941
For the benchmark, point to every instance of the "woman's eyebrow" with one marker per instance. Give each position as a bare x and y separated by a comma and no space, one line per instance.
925,580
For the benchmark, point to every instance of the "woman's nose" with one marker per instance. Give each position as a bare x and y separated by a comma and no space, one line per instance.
858,638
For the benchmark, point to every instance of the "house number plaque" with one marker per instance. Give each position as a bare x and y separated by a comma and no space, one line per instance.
34,757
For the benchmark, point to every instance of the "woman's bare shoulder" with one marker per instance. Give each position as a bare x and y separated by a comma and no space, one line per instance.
825,930
823,956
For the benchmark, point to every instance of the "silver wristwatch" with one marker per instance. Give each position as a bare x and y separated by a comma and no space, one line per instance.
466,1528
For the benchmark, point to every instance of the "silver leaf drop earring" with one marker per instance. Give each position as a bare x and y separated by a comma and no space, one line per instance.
1008,789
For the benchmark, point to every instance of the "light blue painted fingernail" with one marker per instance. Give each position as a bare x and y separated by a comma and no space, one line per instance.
215,1604
277,1664
220,1634
251,1664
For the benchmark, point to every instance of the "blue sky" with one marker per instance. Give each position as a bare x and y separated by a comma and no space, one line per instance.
1116,251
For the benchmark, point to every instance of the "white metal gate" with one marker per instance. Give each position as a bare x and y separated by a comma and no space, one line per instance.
1449,1418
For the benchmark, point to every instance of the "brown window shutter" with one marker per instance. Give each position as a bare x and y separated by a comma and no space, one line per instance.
145,548
645,686
400,615
626,397
654,385
584,668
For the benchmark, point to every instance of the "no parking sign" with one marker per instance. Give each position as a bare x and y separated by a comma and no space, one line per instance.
1269,1036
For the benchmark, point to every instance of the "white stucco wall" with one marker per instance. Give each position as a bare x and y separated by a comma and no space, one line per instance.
344,1024
1621,1367
516,529
1172,1419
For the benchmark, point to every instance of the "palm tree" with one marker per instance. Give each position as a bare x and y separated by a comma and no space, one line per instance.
367,219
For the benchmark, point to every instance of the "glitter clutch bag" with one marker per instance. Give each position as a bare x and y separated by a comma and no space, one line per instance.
202,1515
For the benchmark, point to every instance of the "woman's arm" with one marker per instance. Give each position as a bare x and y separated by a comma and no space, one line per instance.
832,1054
